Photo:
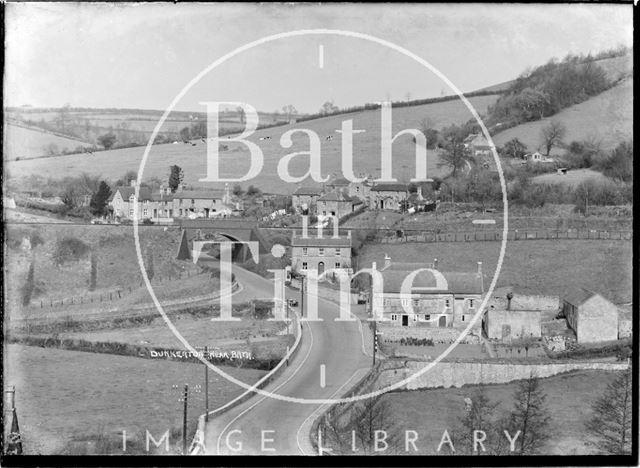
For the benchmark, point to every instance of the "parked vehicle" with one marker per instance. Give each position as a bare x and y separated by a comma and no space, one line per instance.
293,302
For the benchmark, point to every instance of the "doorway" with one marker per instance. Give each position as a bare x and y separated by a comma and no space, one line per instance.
320,268
405,320
442,321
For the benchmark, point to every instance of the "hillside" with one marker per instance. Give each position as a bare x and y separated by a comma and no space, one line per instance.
366,149
607,116
24,143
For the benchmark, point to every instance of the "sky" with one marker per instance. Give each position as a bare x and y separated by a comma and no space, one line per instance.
143,55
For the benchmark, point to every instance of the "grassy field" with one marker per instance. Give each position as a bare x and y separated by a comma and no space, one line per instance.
572,179
65,395
235,161
535,267
607,116
569,398
25,143
116,259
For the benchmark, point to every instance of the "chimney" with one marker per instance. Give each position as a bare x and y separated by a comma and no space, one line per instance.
479,268
336,232
435,263
348,234
419,192
387,260
319,230
132,183
373,265
305,227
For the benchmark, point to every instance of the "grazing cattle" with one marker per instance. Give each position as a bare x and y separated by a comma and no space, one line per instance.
328,138
193,144
265,138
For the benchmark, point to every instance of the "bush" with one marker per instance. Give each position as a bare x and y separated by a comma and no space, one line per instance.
69,249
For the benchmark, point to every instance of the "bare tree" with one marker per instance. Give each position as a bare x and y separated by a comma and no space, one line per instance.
612,412
479,416
455,156
530,416
289,111
552,135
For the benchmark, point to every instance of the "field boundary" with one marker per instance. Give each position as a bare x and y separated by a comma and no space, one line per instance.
197,445
496,235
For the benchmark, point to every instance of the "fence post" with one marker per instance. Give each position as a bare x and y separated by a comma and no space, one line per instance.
41,305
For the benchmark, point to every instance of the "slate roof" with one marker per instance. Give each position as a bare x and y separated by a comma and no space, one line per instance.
308,191
126,192
199,194
340,182
457,282
325,241
389,188
578,296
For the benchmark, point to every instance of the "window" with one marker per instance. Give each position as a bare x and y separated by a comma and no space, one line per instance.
321,251
146,202
386,302
305,251
405,302
338,252
130,212
181,204
304,265
145,212
470,303
338,265
394,317
357,189
193,202
463,318
427,317
416,303
447,303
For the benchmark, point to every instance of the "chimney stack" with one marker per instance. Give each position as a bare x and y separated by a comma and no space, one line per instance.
479,268
336,232
387,260
435,263
419,192
319,230
132,183
305,227
349,234
373,265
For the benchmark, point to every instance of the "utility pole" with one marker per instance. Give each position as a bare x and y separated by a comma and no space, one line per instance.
184,420
375,339
302,278
206,385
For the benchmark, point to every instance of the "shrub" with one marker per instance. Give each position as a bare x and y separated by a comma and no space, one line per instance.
69,249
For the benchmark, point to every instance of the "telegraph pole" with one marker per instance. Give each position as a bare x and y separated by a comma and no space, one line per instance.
375,340
302,278
184,420
206,385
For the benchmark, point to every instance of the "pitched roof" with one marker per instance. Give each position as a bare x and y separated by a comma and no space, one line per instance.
199,194
334,196
389,188
578,296
126,192
308,191
162,197
340,181
326,241
457,282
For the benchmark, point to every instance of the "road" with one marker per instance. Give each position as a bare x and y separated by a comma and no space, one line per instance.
263,425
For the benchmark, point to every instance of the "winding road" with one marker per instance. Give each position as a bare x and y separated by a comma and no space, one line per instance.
264,425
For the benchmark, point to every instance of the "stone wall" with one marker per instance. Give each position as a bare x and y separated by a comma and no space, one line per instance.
457,374
438,335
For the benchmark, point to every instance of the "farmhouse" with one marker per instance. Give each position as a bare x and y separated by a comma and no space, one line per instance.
478,145
304,200
537,157
435,299
123,202
387,196
321,253
591,316
337,204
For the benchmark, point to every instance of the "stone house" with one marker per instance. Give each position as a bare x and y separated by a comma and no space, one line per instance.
304,200
537,157
592,317
123,202
505,325
478,145
320,253
387,196
438,299
337,204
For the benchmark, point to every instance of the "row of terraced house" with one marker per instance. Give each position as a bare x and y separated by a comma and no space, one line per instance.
163,206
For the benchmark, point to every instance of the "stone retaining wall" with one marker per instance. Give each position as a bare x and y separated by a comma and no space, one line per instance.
457,374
